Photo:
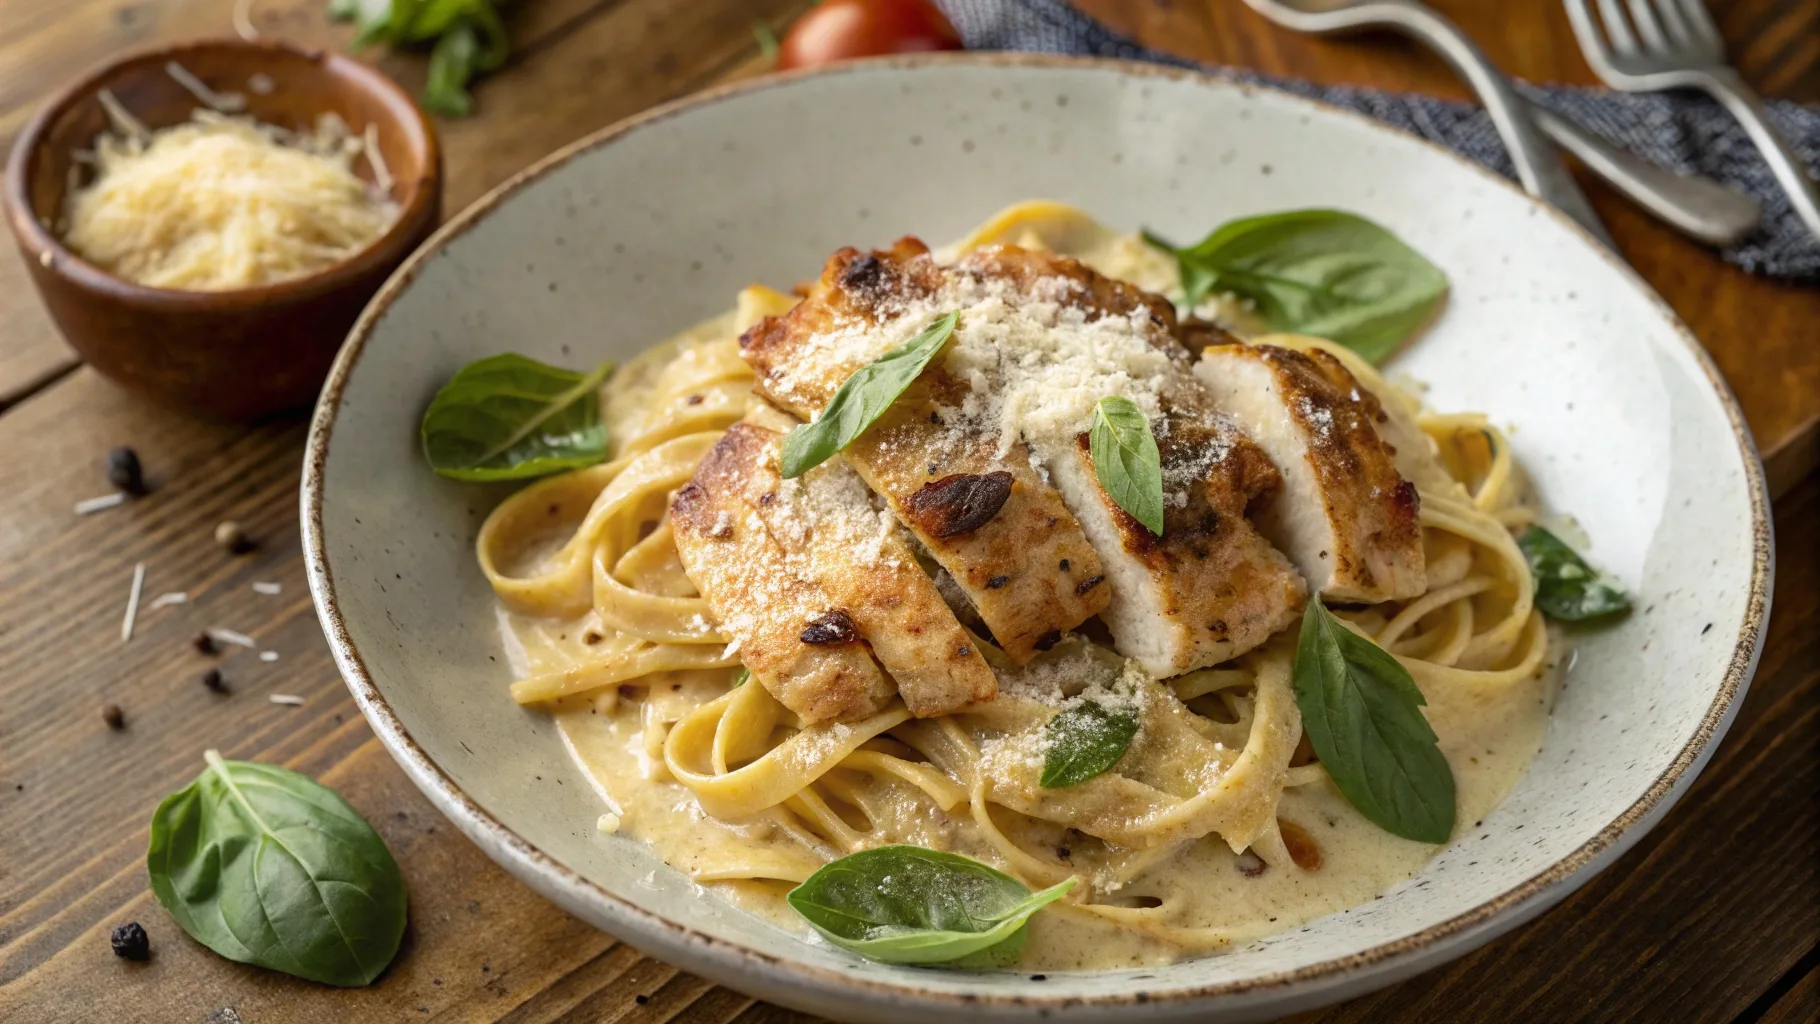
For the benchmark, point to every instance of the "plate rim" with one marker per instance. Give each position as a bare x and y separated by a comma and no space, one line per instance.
556,880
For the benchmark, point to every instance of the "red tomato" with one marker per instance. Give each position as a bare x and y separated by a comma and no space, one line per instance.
842,29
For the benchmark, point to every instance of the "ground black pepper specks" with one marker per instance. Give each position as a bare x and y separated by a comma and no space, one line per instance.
114,717
131,942
213,681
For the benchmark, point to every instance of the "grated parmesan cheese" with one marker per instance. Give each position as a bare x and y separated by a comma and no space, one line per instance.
229,636
222,202
88,506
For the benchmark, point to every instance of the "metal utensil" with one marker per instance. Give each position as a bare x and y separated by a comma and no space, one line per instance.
1703,209
1673,44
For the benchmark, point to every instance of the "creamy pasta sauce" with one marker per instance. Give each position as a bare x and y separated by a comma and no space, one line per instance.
1489,740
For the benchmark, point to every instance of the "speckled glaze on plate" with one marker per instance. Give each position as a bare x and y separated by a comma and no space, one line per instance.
653,224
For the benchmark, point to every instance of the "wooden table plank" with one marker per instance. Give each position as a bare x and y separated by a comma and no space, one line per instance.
1799,1005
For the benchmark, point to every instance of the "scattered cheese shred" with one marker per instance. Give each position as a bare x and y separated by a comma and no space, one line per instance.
105,501
286,698
222,202
608,823
132,603
165,600
263,587
228,636
224,102
268,655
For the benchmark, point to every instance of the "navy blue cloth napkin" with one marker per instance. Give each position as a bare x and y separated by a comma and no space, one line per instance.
1687,133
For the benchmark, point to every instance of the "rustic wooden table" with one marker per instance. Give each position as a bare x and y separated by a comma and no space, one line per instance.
1714,917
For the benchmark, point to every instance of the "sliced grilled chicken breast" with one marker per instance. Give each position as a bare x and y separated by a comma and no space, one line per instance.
978,506
1210,588
792,634
1346,517
831,534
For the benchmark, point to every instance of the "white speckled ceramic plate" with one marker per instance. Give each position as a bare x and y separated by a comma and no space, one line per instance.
654,223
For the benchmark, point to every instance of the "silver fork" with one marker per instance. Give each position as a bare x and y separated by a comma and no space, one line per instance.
1648,45
1698,207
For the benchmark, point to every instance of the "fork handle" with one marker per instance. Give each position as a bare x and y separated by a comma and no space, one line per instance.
1700,207
1539,167
1725,85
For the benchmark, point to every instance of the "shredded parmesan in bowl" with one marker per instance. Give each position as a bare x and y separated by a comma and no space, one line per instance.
222,202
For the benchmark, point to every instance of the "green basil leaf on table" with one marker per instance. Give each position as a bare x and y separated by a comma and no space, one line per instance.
766,37
509,417
907,905
466,38
863,399
271,868
1326,273
1126,460
453,63
1362,713
1085,740
1567,588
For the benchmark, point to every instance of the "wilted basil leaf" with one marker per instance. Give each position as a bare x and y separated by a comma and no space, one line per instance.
1322,272
1085,740
510,417
1362,713
1567,588
907,905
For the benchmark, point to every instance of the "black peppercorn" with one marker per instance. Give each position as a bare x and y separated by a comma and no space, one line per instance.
113,716
123,471
212,680
204,643
130,941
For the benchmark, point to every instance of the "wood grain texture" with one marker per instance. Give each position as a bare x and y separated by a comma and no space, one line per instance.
1715,916
1799,1004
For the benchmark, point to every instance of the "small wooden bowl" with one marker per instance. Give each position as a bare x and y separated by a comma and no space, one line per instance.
237,354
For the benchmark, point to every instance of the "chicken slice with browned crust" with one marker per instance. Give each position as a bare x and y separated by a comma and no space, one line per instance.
980,508
792,634
831,534
1346,517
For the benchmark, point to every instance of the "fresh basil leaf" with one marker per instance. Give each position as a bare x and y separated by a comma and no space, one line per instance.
453,62
1085,740
271,868
509,417
907,905
1567,588
1126,460
863,399
744,677
766,38
466,37
1362,713
1327,273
